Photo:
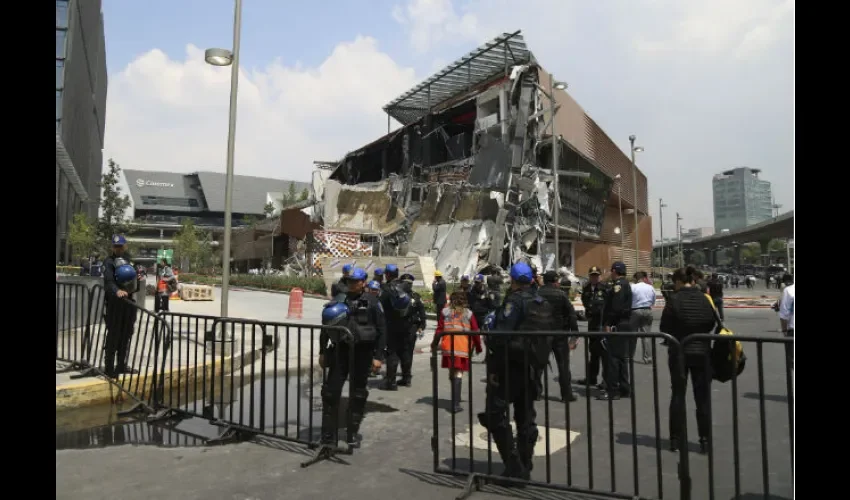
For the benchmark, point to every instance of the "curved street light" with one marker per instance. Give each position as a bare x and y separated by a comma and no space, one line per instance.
218,57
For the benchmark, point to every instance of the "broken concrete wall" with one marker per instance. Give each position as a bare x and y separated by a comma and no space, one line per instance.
456,248
366,207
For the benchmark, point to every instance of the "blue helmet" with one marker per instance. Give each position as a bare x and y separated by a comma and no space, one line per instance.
124,274
347,268
379,271
400,299
334,313
391,269
465,277
522,273
479,278
358,274
490,321
374,285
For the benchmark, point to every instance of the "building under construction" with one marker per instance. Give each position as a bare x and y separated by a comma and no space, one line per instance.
468,177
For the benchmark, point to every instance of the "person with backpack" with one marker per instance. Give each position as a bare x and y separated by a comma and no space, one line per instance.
617,313
565,321
416,324
456,349
397,308
514,363
120,283
166,284
689,311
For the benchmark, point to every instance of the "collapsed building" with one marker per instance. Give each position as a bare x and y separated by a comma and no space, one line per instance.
467,179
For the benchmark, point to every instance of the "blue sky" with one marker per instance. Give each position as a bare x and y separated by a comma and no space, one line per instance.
706,86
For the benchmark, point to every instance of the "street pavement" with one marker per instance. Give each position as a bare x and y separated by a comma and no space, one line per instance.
396,458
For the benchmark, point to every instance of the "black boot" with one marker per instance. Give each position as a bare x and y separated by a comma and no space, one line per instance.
330,425
457,385
510,457
674,444
525,443
357,407
391,377
703,445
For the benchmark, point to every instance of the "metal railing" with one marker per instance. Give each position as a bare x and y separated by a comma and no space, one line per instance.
627,450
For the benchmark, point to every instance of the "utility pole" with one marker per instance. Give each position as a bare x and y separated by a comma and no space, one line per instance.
661,206
679,235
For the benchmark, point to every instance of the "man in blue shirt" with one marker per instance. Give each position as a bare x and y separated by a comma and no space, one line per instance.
643,298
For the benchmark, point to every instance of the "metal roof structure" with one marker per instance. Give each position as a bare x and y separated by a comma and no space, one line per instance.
477,67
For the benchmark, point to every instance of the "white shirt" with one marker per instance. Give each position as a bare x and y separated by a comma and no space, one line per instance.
786,306
643,295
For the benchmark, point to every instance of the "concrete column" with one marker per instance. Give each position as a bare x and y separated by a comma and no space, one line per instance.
765,248
736,256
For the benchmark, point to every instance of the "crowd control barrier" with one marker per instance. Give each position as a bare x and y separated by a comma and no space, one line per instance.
618,448
752,422
250,377
120,341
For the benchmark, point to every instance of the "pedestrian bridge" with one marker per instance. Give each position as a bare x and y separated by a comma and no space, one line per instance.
781,226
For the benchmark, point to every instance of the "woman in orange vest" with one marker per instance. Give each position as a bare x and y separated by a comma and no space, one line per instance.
456,349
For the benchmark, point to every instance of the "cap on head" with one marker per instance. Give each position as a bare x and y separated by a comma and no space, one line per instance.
118,240
379,271
479,278
465,277
347,268
550,277
438,274
374,285
391,269
407,277
521,273
594,270
358,274
619,268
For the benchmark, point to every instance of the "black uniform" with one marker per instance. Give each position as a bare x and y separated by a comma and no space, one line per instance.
339,289
367,324
494,285
511,381
401,334
618,310
480,303
439,290
416,321
120,317
593,300
715,289
565,320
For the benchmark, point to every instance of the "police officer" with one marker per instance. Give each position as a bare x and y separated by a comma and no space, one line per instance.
512,379
416,322
566,321
593,300
396,304
120,316
464,283
390,275
361,313
617,312
494,285
480,300
338,289
535,281
378,274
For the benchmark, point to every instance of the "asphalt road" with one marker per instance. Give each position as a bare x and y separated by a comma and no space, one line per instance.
396,459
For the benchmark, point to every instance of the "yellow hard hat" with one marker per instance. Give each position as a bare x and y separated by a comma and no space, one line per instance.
438,274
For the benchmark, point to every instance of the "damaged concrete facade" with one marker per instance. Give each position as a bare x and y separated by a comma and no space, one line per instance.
468,179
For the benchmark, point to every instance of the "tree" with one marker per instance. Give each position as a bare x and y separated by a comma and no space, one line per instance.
293,194
113,207
82,235
268,209
193,248
304,195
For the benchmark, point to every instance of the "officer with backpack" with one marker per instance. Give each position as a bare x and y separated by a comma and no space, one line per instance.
397,308
514,363
565,321
120,283
361,313
416,322
617,313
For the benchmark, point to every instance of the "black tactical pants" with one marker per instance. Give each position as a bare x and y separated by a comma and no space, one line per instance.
617,353
160,302
698,366
400,344
597,355
511,383
120,323
340,366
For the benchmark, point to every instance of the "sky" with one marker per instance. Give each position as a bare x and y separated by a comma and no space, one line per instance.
705,86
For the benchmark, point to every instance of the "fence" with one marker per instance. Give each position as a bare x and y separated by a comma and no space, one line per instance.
625,451
121,341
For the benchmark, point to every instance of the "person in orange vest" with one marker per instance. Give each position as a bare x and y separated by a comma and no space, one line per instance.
456,349
164,278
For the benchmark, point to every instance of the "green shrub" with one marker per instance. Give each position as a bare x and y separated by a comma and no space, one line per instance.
311,285
73,270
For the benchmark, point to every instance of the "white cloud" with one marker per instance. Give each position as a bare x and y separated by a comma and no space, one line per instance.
168,114
431,22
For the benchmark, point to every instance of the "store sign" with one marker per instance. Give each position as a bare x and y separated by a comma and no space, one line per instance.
143,183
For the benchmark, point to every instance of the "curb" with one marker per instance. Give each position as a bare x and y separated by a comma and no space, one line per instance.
281,292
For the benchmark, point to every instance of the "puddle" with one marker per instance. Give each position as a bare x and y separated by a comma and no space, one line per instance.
292,408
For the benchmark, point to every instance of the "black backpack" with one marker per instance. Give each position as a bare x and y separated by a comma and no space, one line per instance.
537,316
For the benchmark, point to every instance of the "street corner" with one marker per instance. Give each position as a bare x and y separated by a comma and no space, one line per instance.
557,438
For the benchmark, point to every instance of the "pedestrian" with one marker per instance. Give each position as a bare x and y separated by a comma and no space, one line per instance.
715,291
786,317
361,313
456,348
565,321
513,367
438,291
166,283
593,299
120,283
617,314
643,299
689,312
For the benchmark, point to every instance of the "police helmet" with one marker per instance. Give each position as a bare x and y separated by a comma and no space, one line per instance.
391,269
407,277
490,321
347,268
522,273
125,274
465,277
358,274
479,278
374,285
400,299
334,313
379,271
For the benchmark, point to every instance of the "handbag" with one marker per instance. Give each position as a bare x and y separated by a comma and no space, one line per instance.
727,357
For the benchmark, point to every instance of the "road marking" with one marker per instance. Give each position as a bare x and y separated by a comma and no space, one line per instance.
557,438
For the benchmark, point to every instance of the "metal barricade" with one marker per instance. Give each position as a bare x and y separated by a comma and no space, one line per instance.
250,377
632,463
72,323
751,420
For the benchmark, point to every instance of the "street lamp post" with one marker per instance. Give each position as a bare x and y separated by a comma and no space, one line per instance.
679,237
553,85
661,206
620,209
635,149
222,57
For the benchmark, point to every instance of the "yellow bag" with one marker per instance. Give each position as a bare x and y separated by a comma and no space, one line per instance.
722,363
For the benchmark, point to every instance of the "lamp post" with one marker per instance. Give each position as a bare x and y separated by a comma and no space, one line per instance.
222,57
679,237
553,85
661,206
635,149
620,209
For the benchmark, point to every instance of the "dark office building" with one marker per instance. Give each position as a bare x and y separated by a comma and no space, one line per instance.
80,112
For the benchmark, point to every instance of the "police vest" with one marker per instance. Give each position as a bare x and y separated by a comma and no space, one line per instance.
454,321
363,330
